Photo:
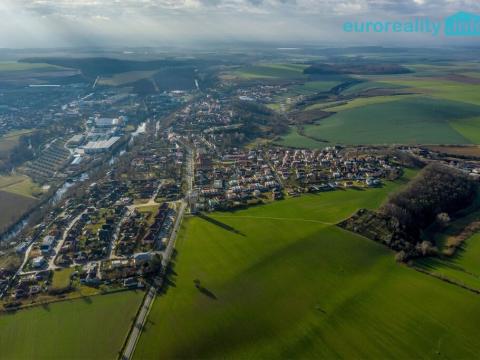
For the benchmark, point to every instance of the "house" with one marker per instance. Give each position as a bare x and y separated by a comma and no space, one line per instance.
142,258
38,262
47,244
130,282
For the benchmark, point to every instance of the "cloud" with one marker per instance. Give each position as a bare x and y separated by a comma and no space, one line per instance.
25,23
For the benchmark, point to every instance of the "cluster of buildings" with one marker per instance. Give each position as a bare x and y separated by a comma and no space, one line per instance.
145,231
235,178
242,177
328,168
265,94
101,136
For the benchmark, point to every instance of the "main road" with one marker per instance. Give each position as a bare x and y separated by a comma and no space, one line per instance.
141,318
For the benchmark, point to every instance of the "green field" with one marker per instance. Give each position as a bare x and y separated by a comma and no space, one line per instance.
278,281
441,88
20,185
363,101
126,78
469,128
90,328
295,140
61,278
370,85
270,71
463,267
418,120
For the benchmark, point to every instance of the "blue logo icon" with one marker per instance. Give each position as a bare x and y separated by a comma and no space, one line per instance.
462,24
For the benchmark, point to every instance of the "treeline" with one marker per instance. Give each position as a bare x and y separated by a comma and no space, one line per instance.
437,193
23,151
94,66
437,189
258,120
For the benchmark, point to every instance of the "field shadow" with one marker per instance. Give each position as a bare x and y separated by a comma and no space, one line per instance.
87,299
169,279
203,290
207,292
46,307
220,224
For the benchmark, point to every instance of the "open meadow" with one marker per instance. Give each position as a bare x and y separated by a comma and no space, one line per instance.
434,105
93,328
282,281
271,71
419,120
463,267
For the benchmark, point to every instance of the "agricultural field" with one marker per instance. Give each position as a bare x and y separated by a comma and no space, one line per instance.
13,207
93,327
361,101
271,71
465,150
453,89
7,66
463,267
20,185
296,140
419,120
295,92
441,102
282,281
126,78
370,85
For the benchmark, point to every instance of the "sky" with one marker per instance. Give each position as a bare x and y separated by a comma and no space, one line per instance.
75,23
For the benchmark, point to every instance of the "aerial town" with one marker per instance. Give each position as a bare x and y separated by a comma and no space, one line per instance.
127,185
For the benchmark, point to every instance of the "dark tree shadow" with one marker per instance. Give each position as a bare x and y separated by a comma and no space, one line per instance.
86,299
204,290
207,292
220,224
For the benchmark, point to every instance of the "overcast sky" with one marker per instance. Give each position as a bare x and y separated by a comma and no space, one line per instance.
51,23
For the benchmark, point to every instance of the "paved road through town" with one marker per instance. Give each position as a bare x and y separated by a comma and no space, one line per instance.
136,331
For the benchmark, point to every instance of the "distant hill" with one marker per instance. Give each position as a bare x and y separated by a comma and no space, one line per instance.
356,69
99,66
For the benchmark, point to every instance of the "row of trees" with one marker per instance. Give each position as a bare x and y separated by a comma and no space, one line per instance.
436,192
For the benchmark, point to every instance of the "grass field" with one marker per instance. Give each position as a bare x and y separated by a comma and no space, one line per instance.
278,281
90,328
419,120
370,85
441,88
469,128
61,278
363,101
126,78
271,71
20,185
296,140
463,267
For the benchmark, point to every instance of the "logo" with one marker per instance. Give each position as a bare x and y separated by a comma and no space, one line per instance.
462,24
459,24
